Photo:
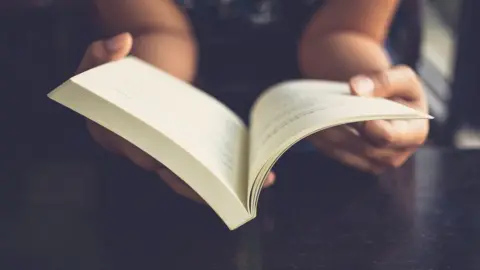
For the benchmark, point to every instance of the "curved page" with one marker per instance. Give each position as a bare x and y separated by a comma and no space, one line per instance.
191,133
291,111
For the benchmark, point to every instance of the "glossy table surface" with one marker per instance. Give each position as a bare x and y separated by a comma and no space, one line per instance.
96,211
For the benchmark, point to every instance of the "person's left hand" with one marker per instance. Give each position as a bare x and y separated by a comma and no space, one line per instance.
113,49
374,146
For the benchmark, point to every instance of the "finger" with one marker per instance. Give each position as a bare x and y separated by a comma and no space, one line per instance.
380,156
104,51
395,161
343,144
138,156
377,161
346,138
397,134
118,145
98,134
350,139
399,82
270,180
346,157
178,186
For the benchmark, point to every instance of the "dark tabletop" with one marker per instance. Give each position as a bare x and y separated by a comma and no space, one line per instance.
95,211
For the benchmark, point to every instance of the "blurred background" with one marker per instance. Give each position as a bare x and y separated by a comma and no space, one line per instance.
436,37
444,35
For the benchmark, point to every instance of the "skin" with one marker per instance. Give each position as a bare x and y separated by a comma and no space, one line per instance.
342,42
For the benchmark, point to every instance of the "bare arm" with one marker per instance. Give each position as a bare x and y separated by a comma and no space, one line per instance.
345,38
162,33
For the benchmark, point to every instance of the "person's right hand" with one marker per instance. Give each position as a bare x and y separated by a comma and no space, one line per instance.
115,48
378,145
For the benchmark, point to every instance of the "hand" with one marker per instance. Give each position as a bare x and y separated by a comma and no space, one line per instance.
115,48
374,146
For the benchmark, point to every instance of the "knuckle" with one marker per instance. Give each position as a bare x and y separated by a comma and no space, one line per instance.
410,75
395,161
406,70
382,80
387,138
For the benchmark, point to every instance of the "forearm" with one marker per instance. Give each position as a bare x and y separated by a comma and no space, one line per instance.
341,55
345,38
172,52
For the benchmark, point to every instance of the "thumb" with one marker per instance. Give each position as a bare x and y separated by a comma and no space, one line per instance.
362,85
399,82
104,51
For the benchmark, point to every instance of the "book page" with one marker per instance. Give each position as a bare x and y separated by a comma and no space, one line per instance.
289,112
191,133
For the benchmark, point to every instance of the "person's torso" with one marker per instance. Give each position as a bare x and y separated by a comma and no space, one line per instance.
229,16
42,41
243,40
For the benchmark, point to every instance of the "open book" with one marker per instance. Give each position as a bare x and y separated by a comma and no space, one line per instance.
202,141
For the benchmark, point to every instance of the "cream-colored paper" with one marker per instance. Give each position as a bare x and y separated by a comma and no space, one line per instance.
200,139
191,133
291,111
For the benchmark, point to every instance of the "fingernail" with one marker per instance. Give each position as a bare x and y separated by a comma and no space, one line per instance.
363,85
114,44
